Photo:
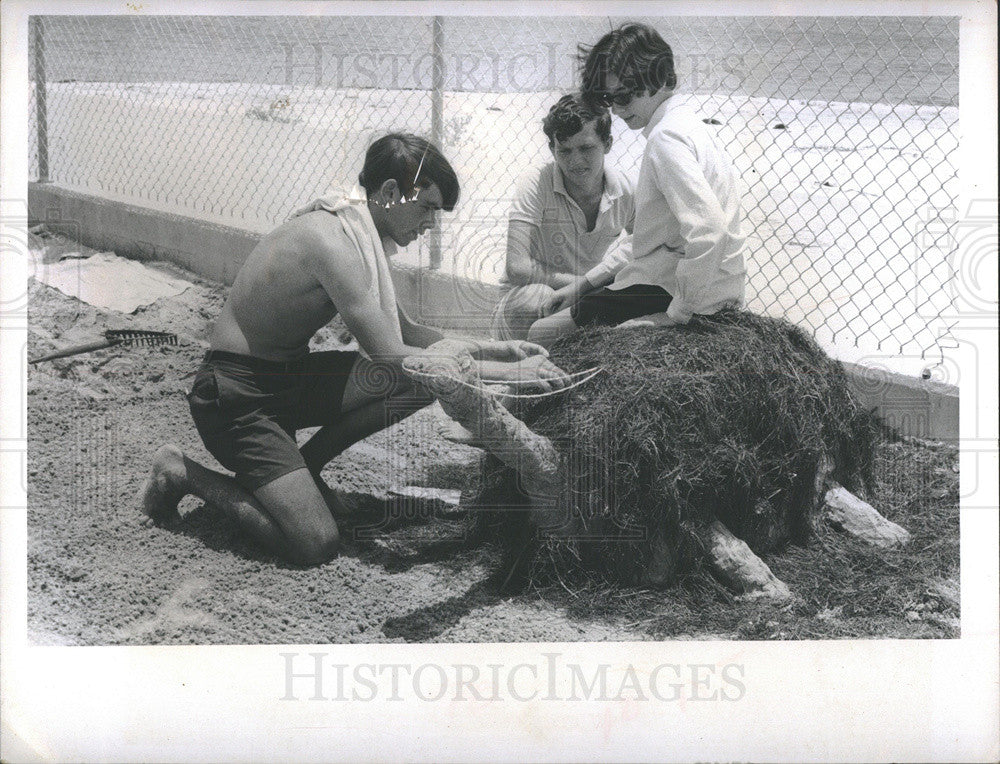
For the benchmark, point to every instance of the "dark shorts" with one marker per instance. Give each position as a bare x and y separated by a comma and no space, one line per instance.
610,307
247,410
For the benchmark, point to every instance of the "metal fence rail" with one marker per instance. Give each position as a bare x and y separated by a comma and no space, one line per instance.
844,131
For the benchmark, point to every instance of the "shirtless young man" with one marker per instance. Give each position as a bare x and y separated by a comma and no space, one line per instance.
259,383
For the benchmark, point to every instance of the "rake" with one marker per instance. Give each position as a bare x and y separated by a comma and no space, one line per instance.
113,337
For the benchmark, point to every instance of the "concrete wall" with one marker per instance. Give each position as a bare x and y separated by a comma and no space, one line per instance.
916,407
217,252
921,408
213,251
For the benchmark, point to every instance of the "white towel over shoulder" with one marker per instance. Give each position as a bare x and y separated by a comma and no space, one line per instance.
352,210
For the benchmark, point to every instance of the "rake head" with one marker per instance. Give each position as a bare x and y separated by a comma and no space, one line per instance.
139,337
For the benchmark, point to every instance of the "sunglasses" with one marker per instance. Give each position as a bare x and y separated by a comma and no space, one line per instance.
620,97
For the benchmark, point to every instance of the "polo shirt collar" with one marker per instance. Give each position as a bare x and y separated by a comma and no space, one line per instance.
612,185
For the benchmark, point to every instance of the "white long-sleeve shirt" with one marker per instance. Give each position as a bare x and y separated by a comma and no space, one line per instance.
687,237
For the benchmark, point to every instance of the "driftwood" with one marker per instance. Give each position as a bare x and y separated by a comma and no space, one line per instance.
737,566
848,513
447,370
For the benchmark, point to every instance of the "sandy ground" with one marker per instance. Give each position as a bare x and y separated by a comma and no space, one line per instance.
99,575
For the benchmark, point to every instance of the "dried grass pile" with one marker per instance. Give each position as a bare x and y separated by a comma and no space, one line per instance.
727,417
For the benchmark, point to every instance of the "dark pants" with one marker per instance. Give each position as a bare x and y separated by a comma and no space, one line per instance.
609,307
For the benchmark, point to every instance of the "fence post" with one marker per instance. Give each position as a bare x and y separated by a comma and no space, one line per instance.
437,117
41,119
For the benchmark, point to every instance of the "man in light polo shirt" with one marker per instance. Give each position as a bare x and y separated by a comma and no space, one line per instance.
564,236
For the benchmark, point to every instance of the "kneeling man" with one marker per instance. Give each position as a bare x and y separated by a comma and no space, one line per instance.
564,235
259,383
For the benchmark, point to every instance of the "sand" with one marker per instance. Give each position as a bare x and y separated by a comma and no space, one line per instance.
98,574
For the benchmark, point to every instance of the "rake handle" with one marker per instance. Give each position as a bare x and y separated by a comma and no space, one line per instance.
75,349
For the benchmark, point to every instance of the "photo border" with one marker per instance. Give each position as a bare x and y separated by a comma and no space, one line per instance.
875,700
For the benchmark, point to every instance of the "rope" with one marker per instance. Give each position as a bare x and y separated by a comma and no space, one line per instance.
590,374
532,382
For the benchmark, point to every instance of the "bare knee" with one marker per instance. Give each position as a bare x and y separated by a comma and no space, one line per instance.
301,528
527,305
522,315
541,332
547,330
316,548
533,296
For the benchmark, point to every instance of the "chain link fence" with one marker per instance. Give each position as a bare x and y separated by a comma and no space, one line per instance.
844,130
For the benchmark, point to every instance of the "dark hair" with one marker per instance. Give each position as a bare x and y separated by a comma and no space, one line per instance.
398,156
635,53
570,114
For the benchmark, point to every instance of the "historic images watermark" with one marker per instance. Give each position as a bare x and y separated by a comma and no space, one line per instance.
545,67
13,248
960,252
16,247
14,252
320,676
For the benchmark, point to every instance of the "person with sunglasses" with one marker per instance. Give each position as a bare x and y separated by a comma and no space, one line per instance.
687,244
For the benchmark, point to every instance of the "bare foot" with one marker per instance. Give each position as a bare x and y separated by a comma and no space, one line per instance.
163,489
